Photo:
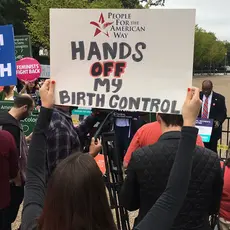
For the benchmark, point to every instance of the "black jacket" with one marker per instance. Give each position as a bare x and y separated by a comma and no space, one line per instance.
161,215
10,124
148,173
218,112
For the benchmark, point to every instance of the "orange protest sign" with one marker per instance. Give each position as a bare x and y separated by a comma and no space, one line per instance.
101,163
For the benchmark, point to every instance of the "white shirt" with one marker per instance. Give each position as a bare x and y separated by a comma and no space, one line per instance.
209,103
122,122
9,98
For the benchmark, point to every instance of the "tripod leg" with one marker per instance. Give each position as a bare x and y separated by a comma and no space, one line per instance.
114,181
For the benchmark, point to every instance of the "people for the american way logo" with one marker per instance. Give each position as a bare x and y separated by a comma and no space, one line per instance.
101,26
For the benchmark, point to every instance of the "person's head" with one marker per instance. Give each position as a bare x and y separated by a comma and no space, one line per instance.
169,121
76,197
8,89
64,108
71,108
23,106
207,87
31,86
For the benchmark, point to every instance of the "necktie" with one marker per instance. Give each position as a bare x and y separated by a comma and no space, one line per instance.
205,109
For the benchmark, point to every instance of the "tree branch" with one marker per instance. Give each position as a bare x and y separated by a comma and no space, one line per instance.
154,2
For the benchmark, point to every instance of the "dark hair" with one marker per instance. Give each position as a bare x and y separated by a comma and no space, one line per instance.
76,197
6,89
22,100
172,119
33,90
208,82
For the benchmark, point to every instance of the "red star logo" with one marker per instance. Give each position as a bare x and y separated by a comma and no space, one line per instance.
102,26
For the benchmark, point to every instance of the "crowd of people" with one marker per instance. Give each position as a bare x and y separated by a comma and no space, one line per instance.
174,179
23,87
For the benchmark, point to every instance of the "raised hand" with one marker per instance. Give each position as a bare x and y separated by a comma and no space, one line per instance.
47,94
95,147
191,107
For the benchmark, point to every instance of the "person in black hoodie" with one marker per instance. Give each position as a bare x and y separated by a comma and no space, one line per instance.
10,121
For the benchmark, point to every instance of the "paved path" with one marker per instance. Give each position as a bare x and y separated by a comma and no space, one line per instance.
221,85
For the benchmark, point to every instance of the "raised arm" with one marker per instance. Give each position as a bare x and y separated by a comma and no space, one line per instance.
24,88
36,170
164,211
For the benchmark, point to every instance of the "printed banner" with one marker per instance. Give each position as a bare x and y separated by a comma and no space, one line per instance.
100,159
78,115
133,60
23,46
205,128
28,124
7,56
28,69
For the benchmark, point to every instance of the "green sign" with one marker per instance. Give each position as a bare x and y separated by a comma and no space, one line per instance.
28,124
83,112
152,117
22,47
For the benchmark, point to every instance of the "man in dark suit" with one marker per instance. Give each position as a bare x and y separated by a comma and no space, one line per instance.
148,172
213,107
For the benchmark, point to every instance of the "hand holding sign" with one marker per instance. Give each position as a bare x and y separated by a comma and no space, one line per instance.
47,94
191,107
25,83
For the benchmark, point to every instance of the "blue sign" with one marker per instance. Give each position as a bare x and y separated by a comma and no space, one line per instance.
7,56
205,128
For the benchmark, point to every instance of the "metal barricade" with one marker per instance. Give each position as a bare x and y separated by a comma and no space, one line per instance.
225,139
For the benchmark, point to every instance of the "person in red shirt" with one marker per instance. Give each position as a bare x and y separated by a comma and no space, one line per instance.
147,135
8,170
224,215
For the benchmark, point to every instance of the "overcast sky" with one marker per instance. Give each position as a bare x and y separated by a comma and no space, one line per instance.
212,15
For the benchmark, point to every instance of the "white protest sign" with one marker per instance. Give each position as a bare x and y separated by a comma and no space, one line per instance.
135,60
